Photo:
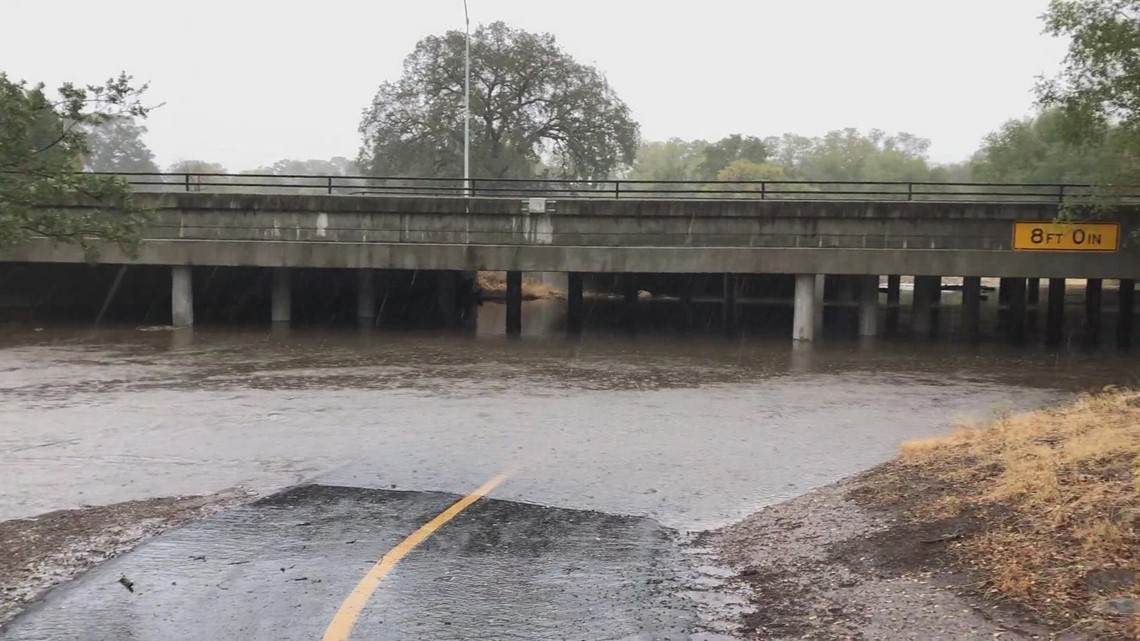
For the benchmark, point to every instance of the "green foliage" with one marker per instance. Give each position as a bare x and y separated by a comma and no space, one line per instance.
1038,150
534,110
848,155
673,159
1098,89
338,166
43,145
117,146
722,153
744,169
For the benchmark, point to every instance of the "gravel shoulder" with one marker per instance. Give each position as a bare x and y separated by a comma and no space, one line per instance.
39,553
825,567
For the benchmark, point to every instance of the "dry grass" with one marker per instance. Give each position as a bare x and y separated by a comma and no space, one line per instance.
494,286
1061,491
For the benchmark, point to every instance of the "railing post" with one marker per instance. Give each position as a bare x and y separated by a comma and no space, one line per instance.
330,185
910,191
763,190
617,189
187,182
1061,194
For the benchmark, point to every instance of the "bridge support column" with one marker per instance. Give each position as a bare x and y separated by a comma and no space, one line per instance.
868,306
181,296
731,310
1093,291
927,293
365,298
1034,291
805,308
1124,317
817,314
687,300
1017,301
971,307
1055,314
894,291
514,303
445,297
1034,301
574,302
281,302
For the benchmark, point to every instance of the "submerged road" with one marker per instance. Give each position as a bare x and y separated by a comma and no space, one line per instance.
616,450
296,566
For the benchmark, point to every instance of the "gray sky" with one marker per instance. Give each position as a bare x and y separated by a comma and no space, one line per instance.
249,82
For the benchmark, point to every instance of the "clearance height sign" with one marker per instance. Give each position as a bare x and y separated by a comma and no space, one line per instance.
1053,236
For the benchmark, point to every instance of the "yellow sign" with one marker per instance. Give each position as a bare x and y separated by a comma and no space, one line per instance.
1052,236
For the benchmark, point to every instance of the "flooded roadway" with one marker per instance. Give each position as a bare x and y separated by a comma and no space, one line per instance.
615,446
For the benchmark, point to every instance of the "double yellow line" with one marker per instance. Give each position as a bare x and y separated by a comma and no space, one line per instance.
341,625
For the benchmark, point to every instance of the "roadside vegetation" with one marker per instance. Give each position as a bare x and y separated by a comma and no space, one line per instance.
1042,507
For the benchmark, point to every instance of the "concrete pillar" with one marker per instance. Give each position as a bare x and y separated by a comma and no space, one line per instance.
282,296
365,298
181,296
894,294
868,305
730,309
805,308
1004,285
574,302
1124,317
514,303
445,297
1055,315
687,300
1033,300
1017,301
817,319
1093,288
1033,290
971,307
927,292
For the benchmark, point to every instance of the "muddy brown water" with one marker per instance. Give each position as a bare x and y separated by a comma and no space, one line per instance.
693,431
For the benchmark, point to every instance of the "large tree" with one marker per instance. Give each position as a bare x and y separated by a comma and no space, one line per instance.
1098,89
726,151
1037,150
117,146
43,147
534,111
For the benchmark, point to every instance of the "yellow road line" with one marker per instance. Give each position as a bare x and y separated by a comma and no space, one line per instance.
341,625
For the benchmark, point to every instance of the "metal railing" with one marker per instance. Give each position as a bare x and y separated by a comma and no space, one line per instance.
630,189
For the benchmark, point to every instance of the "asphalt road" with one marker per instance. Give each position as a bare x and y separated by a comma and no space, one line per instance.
281,568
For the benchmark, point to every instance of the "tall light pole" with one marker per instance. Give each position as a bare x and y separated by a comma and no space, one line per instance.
467,105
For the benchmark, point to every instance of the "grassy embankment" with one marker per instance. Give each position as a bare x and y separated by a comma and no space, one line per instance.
1045,508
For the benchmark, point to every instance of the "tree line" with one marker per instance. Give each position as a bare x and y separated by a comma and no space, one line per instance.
538,113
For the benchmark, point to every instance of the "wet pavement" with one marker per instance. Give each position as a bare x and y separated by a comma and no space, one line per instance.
278,570
618,448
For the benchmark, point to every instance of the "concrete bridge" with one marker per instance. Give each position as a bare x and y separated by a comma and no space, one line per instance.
854,241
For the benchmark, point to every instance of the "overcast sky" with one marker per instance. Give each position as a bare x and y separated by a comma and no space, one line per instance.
249,82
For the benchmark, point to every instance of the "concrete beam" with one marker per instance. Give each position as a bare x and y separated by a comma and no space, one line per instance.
664,260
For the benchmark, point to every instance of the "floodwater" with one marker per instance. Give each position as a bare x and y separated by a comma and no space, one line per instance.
691,431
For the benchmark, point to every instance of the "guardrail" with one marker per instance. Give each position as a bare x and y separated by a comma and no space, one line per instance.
631,189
